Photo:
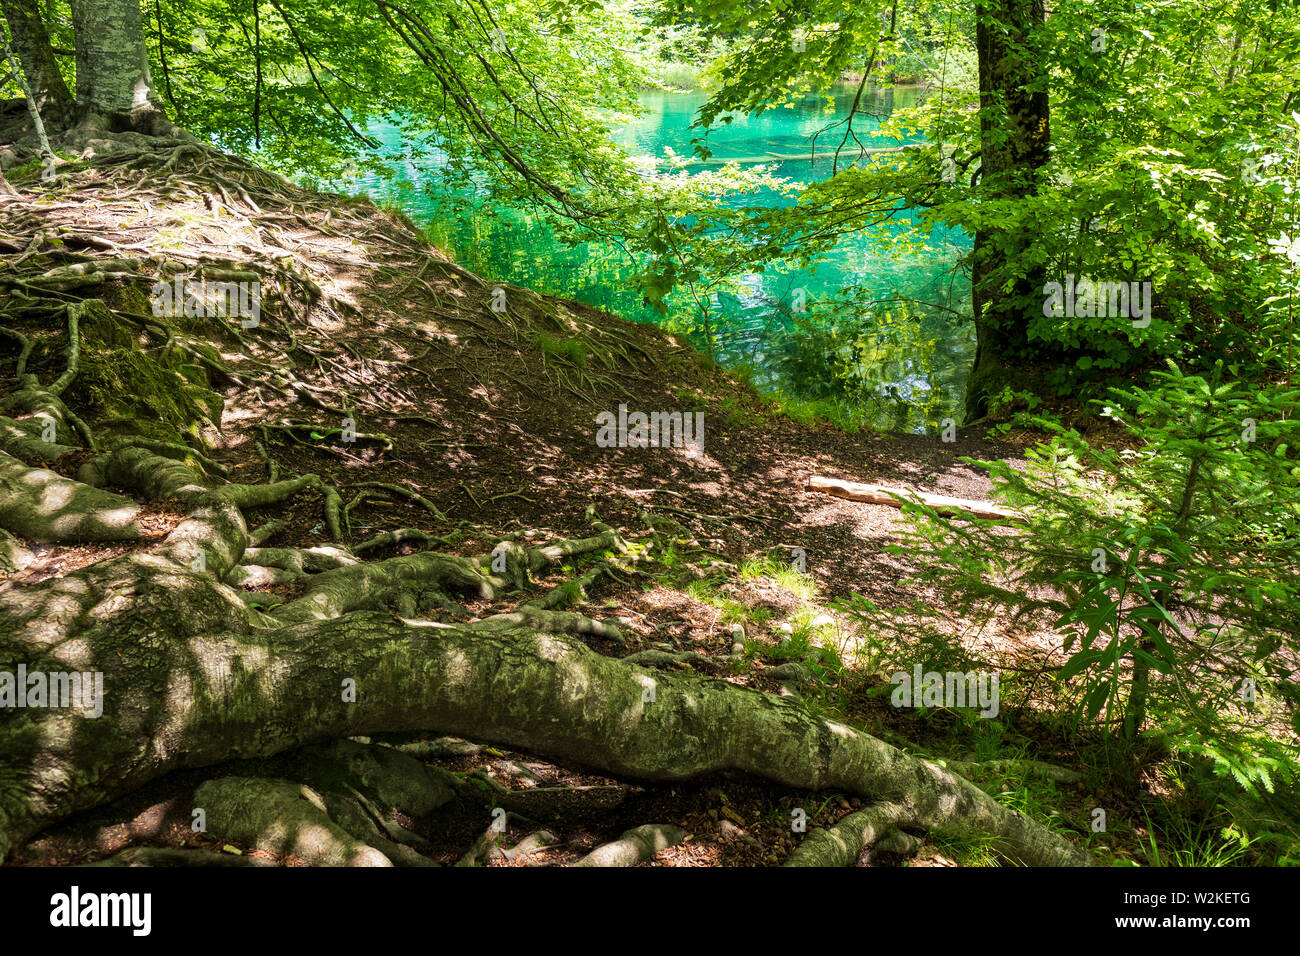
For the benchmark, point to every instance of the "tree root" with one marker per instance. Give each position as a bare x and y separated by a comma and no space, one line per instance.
841,844
280,817
44,506
331,664
653,657
516,687
13,555
635,846
407,493
22,439
530,845
177,856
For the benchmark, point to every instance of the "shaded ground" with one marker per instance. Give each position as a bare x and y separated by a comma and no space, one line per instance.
490,415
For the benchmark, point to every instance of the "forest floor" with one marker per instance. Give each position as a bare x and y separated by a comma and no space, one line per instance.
491,416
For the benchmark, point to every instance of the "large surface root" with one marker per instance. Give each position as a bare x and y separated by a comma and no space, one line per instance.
44,506
242,693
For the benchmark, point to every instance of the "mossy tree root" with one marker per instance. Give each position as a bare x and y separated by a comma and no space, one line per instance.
193,677
222,685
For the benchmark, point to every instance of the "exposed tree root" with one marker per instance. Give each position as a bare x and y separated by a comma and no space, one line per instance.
13,556
635,846
45,506
530,845
331,664
177,856
281,817
233,694
840,845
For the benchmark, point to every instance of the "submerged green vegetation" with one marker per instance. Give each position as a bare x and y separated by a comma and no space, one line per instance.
875,334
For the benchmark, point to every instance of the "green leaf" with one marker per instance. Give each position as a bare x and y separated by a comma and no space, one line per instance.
1077,663
1097,699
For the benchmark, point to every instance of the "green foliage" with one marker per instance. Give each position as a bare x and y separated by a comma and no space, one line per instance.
965,848
778,568
1196,844
1169,568
1175,160
897,638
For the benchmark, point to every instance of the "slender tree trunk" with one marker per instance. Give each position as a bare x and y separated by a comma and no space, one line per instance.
33,106
1014,137
32,44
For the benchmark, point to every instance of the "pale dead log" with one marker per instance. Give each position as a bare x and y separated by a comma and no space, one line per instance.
884,495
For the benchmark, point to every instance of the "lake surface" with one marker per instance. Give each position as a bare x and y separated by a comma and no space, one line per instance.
897,365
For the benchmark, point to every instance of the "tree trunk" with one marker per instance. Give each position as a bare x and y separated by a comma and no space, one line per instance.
894,498
114,86
32,44
1014,138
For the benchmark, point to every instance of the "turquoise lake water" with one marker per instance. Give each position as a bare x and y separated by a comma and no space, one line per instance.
902,366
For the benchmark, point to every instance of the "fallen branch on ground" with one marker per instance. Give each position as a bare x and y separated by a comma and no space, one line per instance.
897,497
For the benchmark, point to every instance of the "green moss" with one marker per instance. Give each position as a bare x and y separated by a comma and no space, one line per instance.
124,391
575,349
20,174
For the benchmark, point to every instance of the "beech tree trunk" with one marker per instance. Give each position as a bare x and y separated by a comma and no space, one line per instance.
113,80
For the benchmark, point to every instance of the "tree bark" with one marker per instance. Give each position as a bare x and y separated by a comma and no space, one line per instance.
32,44
188,683
635,846
114,86
884,495
1014,139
